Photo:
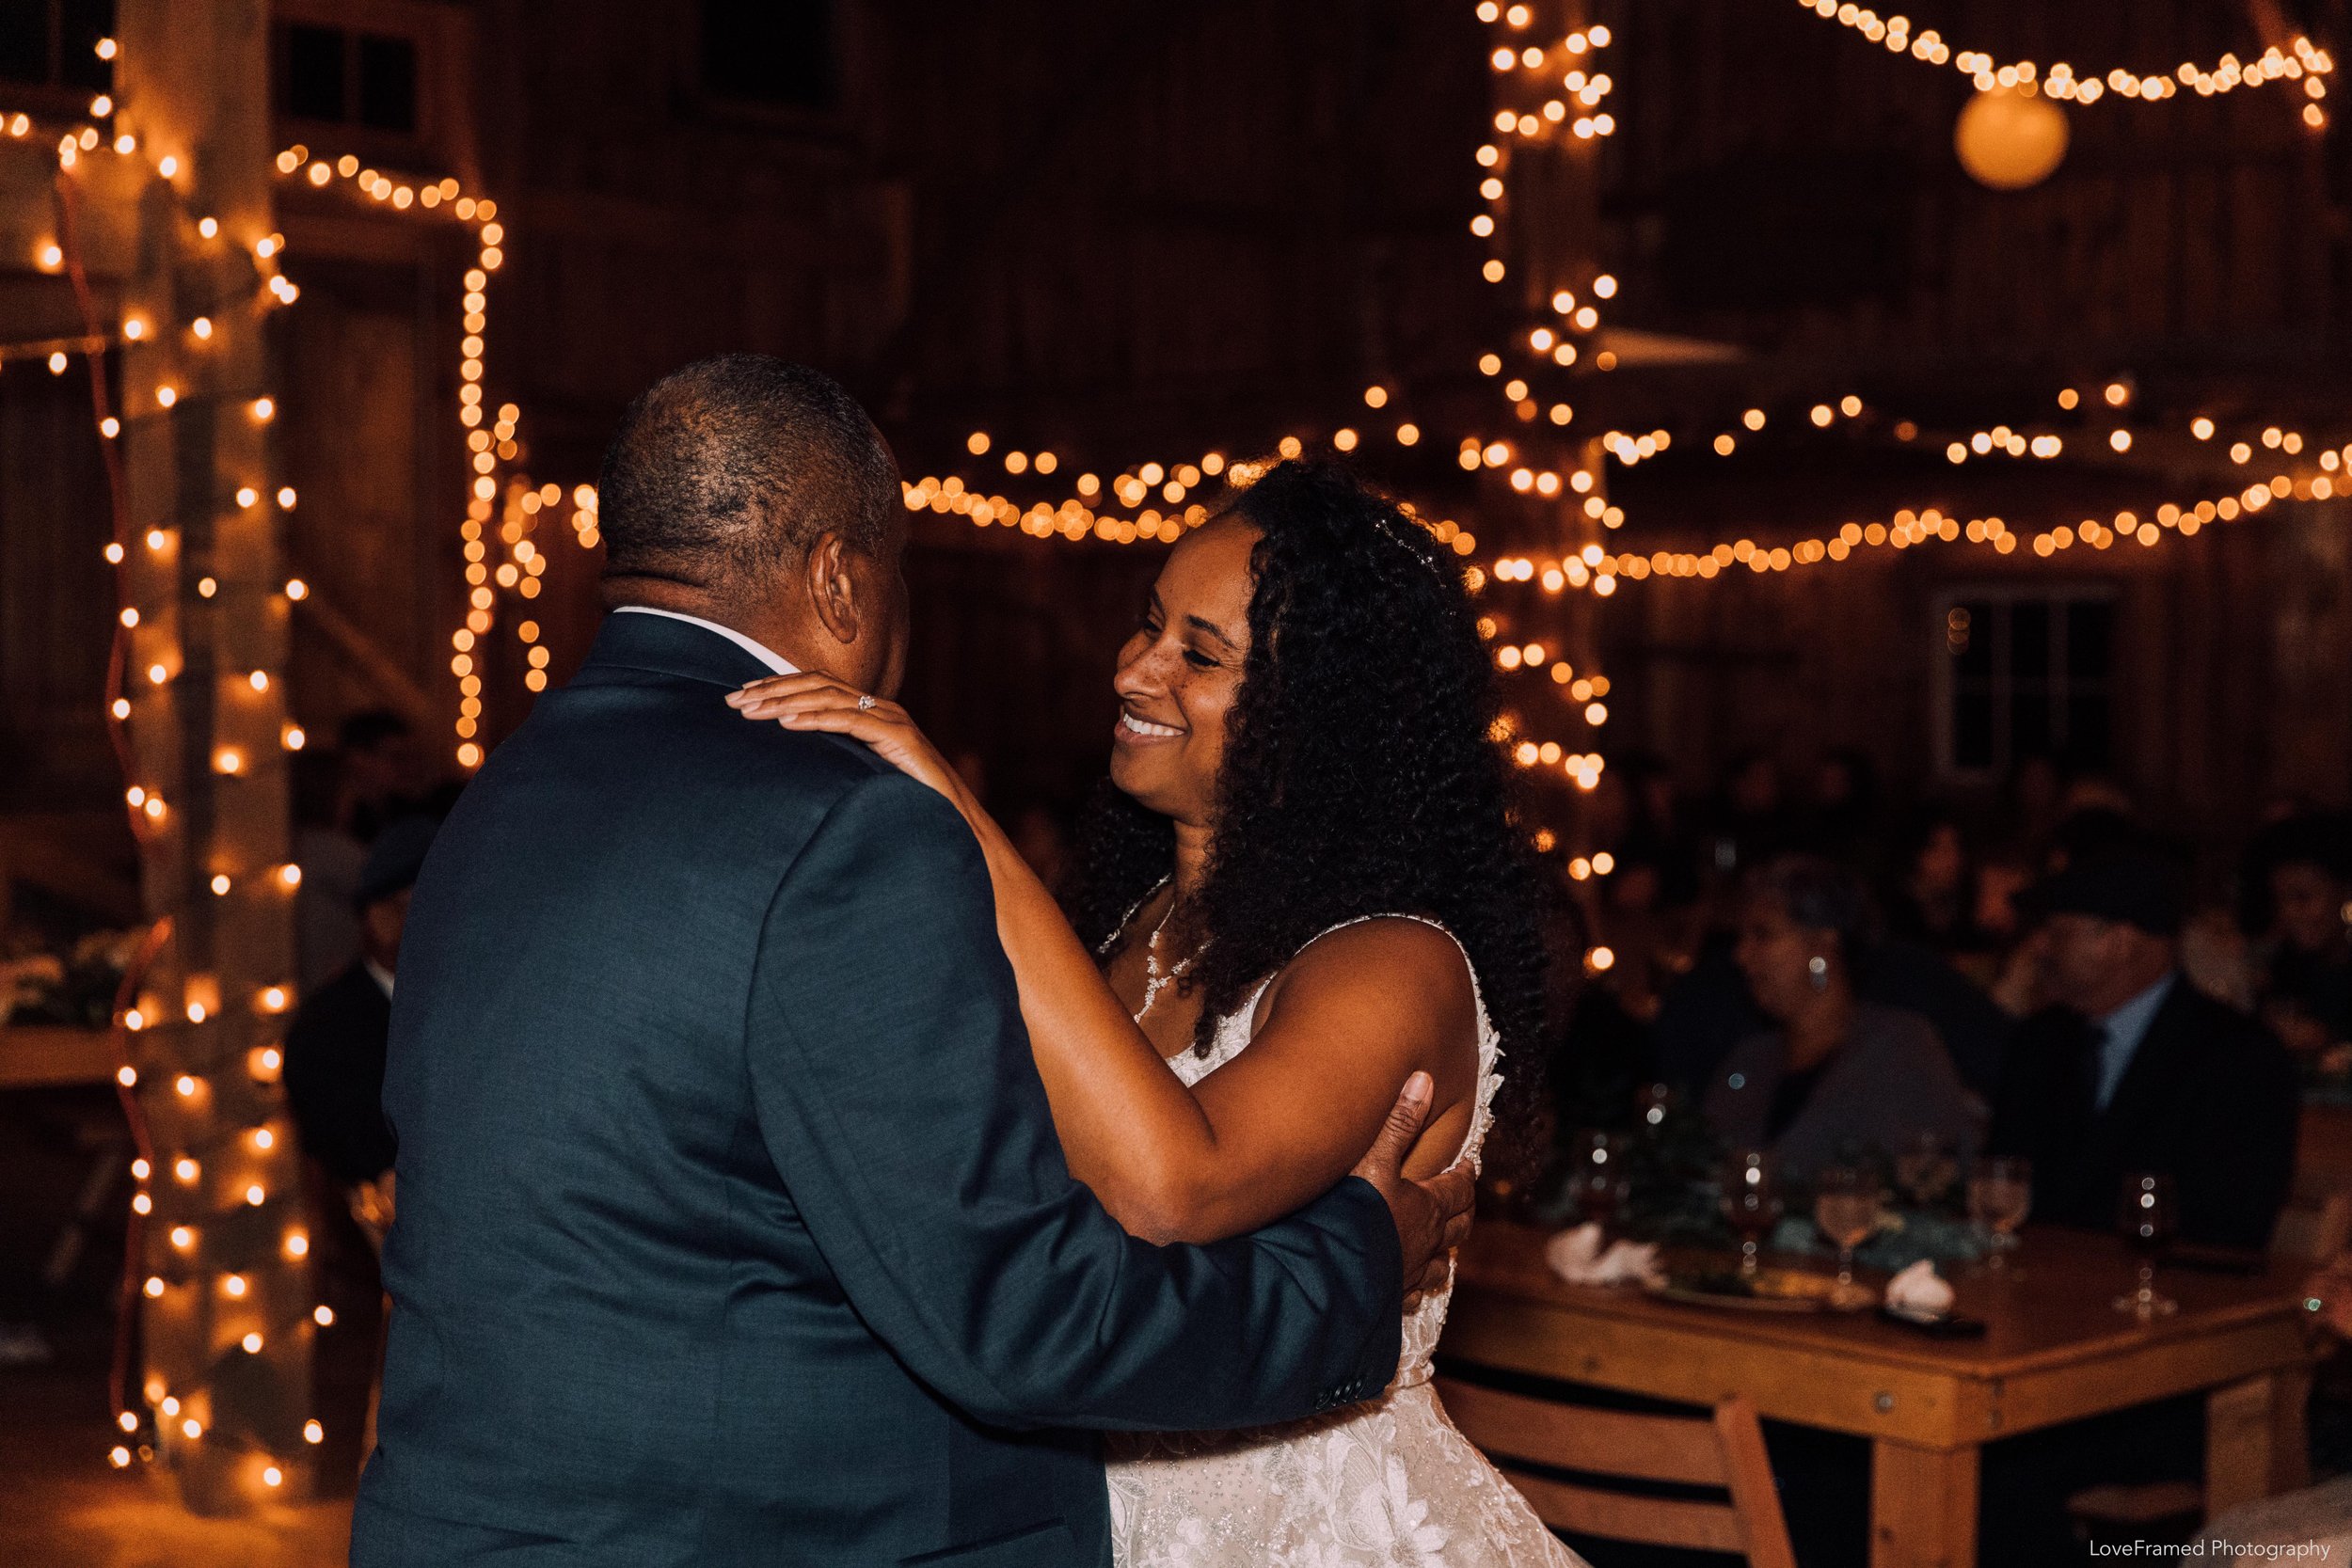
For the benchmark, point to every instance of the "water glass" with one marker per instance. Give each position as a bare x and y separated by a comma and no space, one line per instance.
2146,1215
2000,1195
1752,1201
1846,1201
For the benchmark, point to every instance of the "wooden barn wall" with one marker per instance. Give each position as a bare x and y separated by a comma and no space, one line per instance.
1135,231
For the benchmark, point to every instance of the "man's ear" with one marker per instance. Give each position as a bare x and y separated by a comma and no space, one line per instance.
830,590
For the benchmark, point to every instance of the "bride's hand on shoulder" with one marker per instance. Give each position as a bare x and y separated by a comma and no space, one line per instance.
813,701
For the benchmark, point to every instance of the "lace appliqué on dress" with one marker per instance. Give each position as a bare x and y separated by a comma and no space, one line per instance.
1384,1485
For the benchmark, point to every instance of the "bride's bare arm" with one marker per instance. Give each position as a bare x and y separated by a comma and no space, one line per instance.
1347,1021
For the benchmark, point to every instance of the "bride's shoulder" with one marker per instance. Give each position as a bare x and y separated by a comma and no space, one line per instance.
1388,960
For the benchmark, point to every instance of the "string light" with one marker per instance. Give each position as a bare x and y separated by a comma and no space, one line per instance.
2300,61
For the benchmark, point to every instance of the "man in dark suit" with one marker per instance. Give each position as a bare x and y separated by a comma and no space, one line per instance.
733,1227
335,1046
2135,1069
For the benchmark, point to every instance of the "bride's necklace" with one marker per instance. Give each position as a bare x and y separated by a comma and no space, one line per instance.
1156,980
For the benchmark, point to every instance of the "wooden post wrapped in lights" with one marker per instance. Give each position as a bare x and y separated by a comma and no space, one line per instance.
225,1293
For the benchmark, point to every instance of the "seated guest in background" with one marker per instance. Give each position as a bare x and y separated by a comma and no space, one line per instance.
334,1077
1835,1074
2132,1069
1932,898
335,1047
2306,985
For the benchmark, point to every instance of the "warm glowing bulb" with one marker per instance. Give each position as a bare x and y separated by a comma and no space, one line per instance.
167,396
289,874
185,1169
182,1237
185,1086
325,1318
220,884
201,326
297,1244
154,1286
271,1475
234,1284
296,588
263,408
142,1204
128,1077
264,1138
195,1013
286,497
311,1431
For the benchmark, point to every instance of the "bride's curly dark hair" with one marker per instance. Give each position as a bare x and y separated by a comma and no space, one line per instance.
1360,776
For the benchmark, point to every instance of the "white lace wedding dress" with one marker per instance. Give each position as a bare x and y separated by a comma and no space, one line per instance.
1384,1485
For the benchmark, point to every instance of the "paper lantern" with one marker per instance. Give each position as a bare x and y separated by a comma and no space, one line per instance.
2009,140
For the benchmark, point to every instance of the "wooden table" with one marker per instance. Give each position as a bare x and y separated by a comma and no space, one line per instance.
2055,1350
42,1057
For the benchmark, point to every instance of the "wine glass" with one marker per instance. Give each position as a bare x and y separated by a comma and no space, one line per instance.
2146,1215
1846,1207
1752,1201
2000,1195
1926,1169
1597,1180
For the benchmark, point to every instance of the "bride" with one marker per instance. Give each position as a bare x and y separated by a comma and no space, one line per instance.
1302,888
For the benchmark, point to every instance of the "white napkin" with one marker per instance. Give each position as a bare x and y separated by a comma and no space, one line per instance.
1576,1256
1919,1291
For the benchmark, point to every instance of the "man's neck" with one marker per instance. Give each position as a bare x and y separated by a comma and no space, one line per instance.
769,630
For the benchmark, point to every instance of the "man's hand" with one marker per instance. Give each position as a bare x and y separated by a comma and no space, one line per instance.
1433,1216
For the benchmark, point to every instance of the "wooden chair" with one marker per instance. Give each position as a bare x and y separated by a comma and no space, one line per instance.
1725,1452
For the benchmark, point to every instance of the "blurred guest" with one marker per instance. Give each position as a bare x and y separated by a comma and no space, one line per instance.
2132,1069
334,1077
1597,1054
327,926
1841,819
1706,1009
1656,827
384,775
1933,898
334,1070
2306,985
2034,803
1835,1074
1750,821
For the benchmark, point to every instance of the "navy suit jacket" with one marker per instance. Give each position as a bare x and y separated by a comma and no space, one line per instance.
732,1225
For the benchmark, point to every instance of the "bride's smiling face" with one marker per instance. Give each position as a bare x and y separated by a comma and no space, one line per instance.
1179,673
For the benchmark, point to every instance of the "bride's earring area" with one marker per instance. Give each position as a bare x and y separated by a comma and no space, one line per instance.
1817,971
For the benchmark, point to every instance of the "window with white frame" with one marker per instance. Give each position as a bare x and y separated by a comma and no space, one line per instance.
2024,672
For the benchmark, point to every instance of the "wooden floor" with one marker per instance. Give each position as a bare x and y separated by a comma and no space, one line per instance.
66,1508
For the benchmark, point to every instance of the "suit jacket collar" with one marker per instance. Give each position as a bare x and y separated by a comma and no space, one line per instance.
662,645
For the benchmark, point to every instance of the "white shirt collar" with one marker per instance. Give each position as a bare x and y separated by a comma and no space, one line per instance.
759,650
382,976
